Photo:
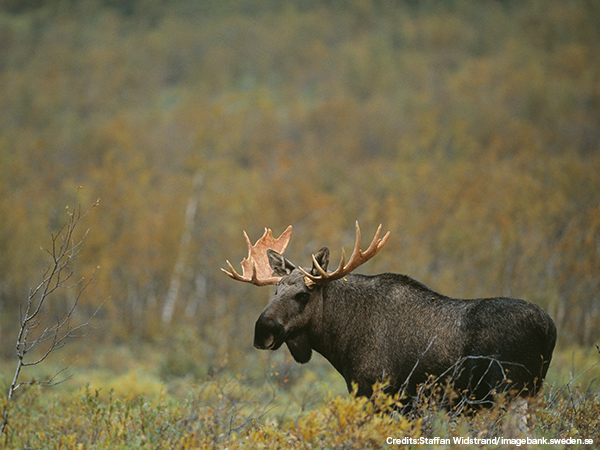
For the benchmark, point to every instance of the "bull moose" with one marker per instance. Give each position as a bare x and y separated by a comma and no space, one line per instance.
389,326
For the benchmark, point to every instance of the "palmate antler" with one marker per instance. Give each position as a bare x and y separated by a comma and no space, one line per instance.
256,268
357,258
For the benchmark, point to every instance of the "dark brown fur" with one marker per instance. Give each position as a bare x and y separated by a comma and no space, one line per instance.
392,327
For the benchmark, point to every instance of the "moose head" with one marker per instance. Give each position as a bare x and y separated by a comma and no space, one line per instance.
298,297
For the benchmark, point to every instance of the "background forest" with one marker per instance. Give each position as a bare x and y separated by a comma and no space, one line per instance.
469,129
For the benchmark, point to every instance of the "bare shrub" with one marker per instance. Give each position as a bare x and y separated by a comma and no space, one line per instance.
41,331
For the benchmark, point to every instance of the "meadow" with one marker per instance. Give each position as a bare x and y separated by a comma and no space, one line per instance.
128,398
469,129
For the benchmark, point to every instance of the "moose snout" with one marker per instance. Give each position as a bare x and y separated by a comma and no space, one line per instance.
267,333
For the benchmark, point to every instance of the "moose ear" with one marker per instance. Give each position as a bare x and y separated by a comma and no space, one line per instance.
279,264
322,258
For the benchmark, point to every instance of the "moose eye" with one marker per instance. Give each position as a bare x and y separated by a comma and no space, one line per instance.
302,297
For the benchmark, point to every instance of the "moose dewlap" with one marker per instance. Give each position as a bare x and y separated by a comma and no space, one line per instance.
391,327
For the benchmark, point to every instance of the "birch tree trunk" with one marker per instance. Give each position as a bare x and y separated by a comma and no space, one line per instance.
182,254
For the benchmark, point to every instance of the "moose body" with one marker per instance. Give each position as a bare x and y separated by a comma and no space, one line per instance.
391,328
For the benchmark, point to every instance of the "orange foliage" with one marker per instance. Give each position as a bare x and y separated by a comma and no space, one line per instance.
471,131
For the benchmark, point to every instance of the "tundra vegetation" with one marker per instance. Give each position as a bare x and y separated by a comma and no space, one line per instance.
470,129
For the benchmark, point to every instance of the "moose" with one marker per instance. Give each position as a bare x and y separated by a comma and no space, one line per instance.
391,327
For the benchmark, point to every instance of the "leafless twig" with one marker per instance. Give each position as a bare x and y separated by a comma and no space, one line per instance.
34,334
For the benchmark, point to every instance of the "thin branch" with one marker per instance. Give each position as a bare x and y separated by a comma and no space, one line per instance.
63,251
567,386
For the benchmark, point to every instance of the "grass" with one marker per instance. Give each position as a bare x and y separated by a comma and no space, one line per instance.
124,398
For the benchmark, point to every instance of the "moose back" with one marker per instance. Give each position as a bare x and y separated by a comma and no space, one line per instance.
391,327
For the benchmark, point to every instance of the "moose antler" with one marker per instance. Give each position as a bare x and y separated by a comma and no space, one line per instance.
357,258
256,268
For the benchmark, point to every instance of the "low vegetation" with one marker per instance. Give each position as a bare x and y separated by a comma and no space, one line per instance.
134,405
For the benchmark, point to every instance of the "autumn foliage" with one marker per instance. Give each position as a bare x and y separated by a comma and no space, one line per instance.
469,130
